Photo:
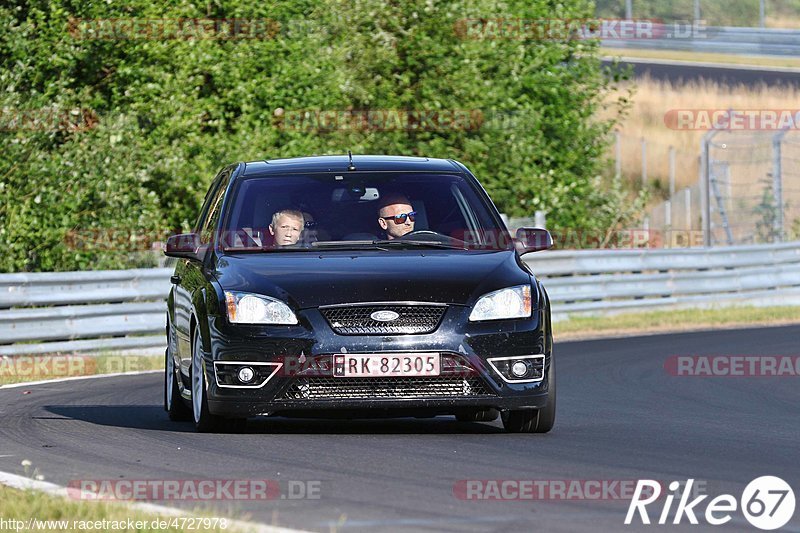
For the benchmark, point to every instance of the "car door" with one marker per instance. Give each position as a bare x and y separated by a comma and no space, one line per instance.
189,272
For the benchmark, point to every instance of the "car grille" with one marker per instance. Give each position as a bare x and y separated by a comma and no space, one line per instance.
371,388
356,320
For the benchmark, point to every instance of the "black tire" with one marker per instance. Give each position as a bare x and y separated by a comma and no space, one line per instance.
478,415
176,408
204,421
534,420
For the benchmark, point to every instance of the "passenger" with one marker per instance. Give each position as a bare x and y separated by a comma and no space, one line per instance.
286,227
395,216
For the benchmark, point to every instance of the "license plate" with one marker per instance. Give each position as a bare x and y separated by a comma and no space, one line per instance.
404,364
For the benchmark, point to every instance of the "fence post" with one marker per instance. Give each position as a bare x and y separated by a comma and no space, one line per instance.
540,220
777,184
668,203
644,163
704,203
687,195
671,172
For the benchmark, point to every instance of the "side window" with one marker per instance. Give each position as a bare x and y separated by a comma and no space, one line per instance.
213,204
211,196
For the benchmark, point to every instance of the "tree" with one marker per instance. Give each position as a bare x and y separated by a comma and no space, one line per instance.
157,108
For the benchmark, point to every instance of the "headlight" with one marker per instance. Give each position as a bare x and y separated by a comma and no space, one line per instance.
245,308
513,302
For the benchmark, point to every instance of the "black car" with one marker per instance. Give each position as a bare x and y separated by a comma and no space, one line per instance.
356,286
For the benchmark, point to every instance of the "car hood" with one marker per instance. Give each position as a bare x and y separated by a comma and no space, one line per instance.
313,279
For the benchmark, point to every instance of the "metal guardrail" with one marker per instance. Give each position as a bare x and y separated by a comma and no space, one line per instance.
720,39
124,309
82,311
608,281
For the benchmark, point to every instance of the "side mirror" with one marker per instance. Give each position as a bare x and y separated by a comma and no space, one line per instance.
184,245
533,240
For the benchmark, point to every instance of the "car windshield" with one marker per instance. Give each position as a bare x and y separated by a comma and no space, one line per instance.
386,211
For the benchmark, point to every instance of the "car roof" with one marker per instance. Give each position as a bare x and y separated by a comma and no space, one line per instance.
340,163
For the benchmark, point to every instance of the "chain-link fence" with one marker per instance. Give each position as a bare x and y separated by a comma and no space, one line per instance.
751,179
748,190
744,13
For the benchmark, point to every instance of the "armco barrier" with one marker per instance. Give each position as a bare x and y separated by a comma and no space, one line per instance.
124,309
608,281
720,39
82,311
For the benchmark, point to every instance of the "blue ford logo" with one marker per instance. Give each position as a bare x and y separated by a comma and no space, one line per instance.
384,316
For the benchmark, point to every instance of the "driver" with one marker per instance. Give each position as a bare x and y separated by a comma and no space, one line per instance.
396,216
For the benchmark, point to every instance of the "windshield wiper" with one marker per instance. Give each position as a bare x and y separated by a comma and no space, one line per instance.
347,245
399,243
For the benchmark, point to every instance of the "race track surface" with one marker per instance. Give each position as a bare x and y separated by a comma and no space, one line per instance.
681,72
621,416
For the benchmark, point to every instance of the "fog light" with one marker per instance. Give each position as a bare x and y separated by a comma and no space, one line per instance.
519,369
246,374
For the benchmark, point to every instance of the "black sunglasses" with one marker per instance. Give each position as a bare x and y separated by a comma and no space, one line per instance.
311,224
401,218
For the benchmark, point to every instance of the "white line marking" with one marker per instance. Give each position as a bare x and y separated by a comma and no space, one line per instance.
75,378
24,483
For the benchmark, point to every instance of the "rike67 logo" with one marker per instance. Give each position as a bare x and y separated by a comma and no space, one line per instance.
767,503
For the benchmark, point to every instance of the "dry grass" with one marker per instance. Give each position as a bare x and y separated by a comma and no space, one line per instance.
676,55
653,99
625,324
58,514
18,369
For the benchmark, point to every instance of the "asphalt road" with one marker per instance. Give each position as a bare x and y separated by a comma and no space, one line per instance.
726,75
621,417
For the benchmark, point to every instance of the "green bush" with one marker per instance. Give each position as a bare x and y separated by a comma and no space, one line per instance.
156,118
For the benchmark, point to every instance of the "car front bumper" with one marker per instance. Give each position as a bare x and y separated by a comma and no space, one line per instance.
304,384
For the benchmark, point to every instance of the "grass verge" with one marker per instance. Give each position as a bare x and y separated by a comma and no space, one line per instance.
586,327
704,57
23,368
52,513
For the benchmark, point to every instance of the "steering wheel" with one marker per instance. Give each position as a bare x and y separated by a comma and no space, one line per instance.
423,233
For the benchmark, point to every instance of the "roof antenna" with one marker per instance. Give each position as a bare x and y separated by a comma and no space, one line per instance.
352,165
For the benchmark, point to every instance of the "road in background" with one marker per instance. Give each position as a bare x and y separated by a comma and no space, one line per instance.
621,416
730,74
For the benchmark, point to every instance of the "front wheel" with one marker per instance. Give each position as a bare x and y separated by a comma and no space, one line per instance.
535,420
173,403
204,421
